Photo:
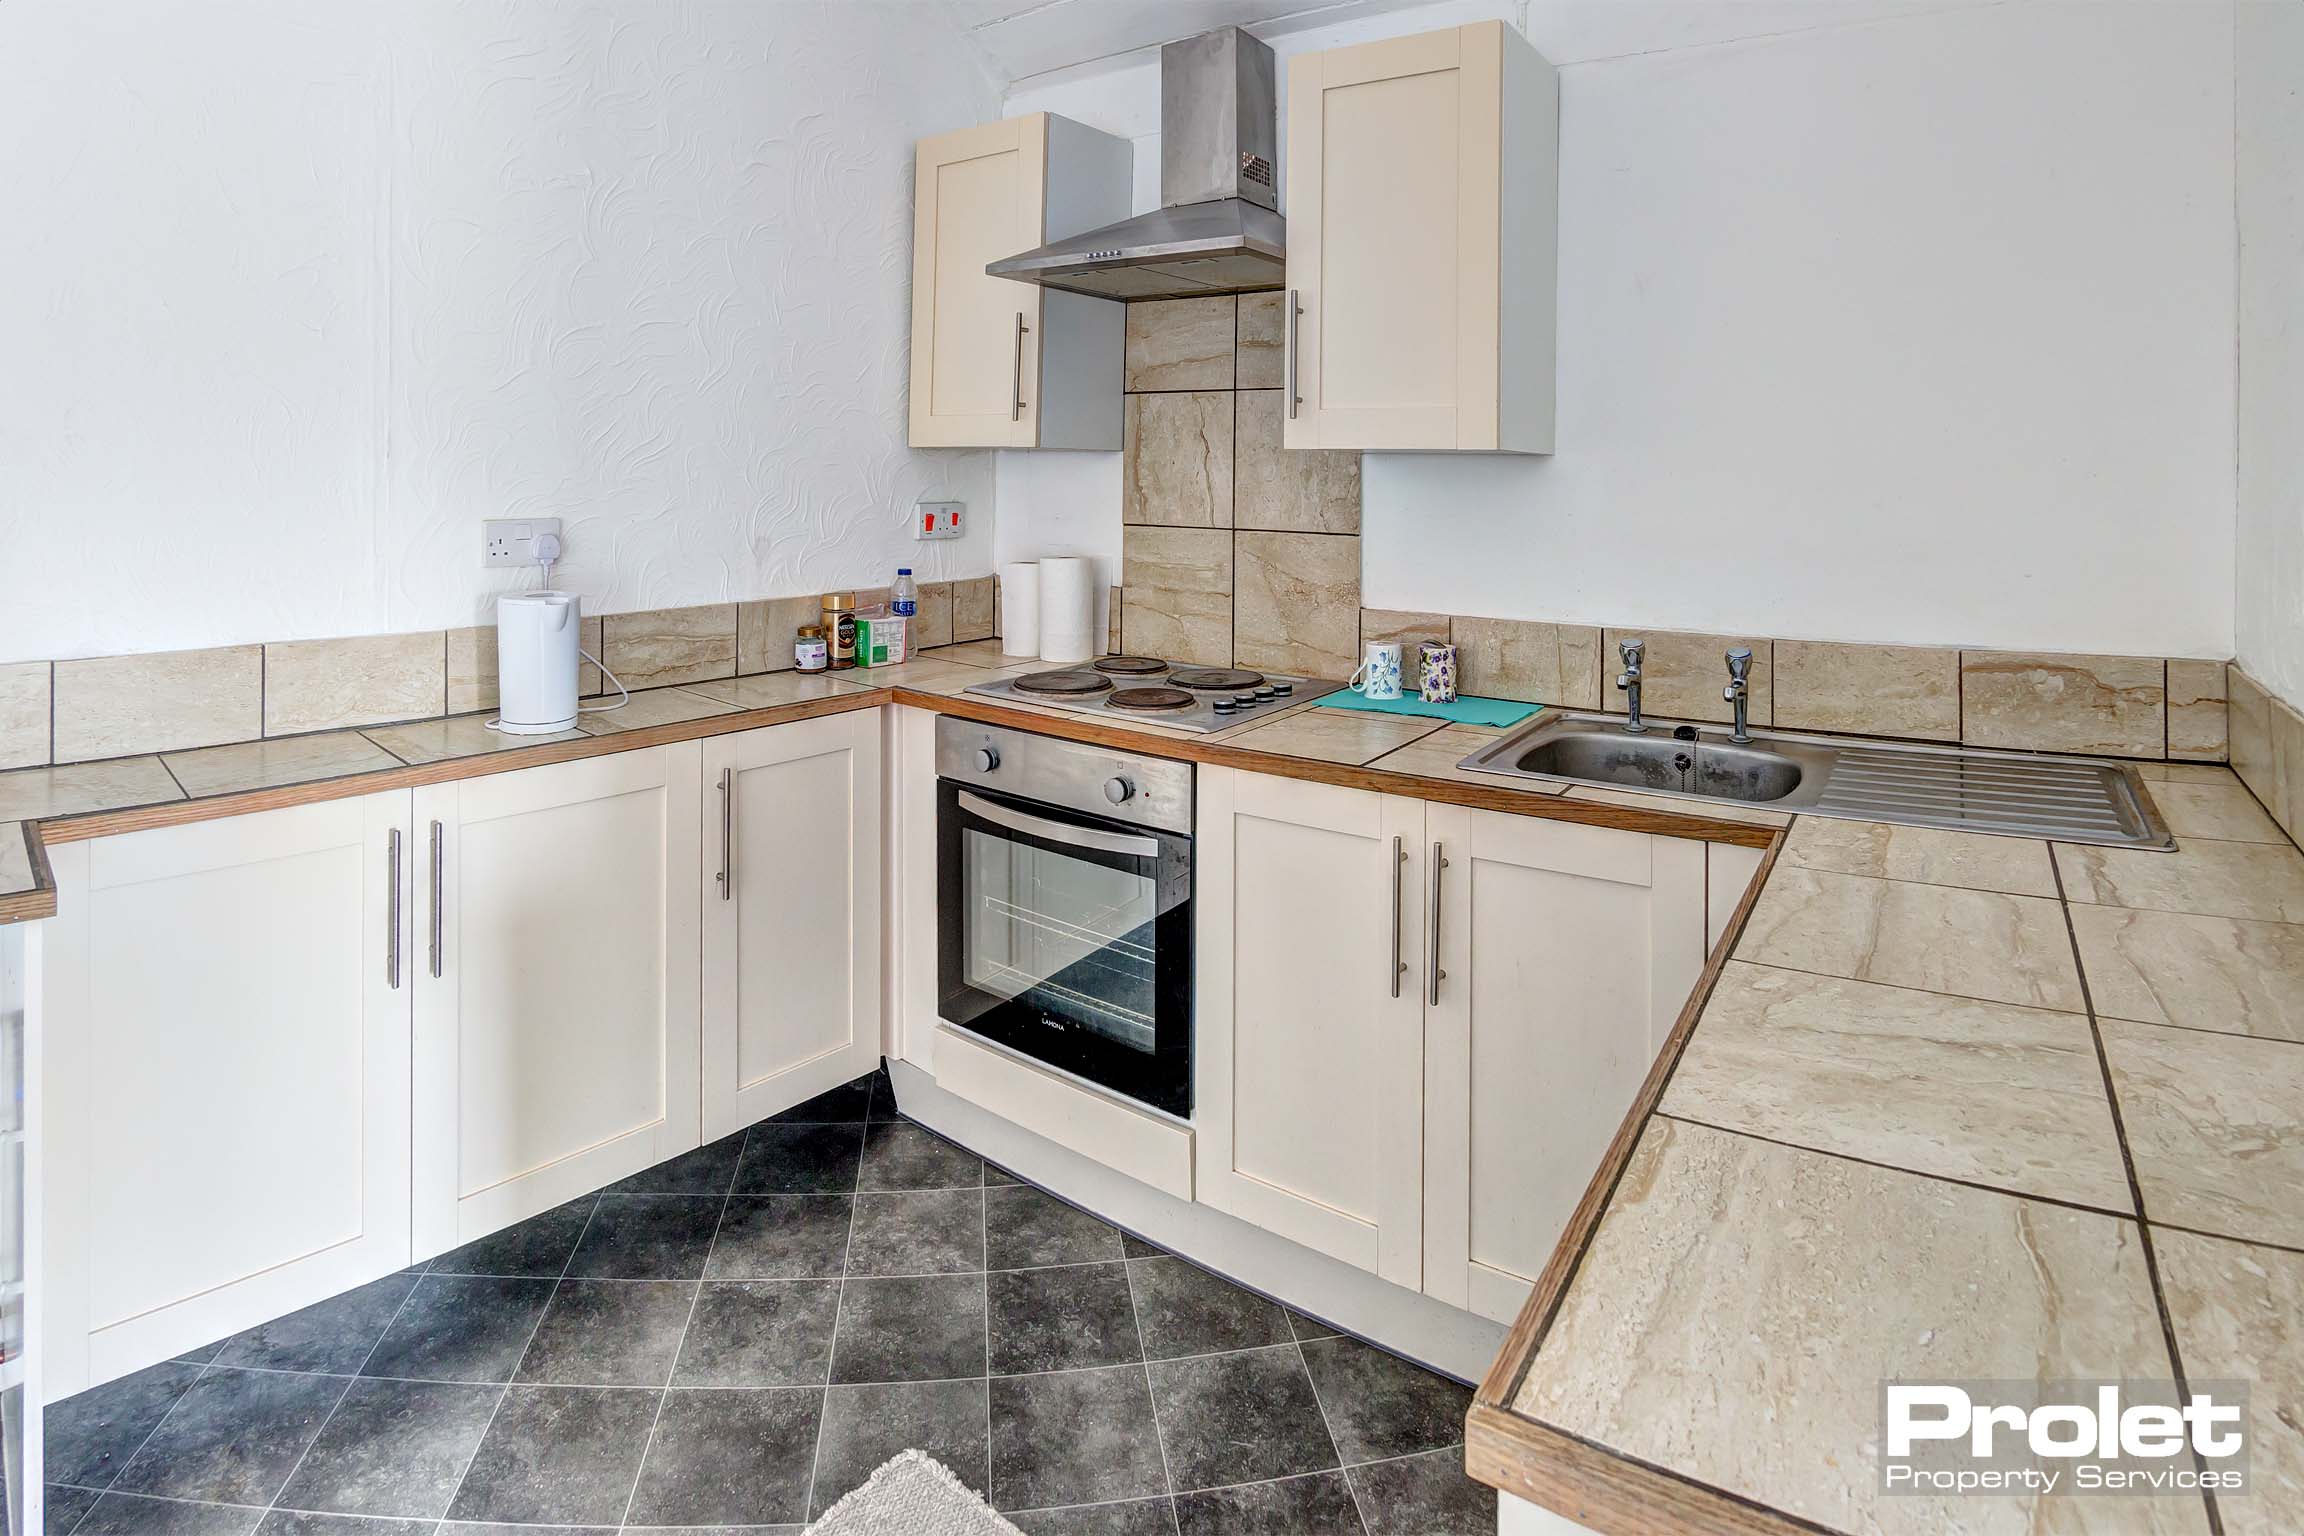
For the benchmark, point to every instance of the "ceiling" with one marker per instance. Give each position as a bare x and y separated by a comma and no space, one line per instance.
1030,37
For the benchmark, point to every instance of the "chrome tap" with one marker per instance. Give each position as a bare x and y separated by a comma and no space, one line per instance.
1739,690
1629,681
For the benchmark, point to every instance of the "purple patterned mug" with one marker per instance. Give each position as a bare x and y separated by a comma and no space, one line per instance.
1436,671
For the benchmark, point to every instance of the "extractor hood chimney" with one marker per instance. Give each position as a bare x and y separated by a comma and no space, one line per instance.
1216,230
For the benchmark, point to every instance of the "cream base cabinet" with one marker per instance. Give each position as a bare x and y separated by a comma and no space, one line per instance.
557,978
225,1079
1565,954
1423,203
997,363
791,915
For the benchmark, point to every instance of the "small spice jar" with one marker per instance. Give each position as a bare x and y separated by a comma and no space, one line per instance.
840,629
809,652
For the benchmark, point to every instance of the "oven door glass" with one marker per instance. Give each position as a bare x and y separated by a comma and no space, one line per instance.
1069,939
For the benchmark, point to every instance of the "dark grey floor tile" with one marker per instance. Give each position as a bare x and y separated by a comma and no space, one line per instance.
924,1328
1427,1495
1024,1227
558,1456
538,1246
1318,1505
474,1528
609,1333
1309,1328
730,1458
1061,1319
665,1530
461,1328
901,1155
707,1170
207,1352
393,1448
1137,1517
233,1438
61,1508
864,1426
1379,1405
120,1514
1073,1437
781,1237
1187,1311
91,1435
918,1232
1134,1247
648,1237
800,1160
1239,1418
294,1522
996,1176
883,1097
333,1335
848,1104
760,1333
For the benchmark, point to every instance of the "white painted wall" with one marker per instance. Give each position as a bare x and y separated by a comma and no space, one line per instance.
2270,126
1879,321
293,295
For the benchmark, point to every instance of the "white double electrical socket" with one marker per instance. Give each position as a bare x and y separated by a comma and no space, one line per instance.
936,520
512,540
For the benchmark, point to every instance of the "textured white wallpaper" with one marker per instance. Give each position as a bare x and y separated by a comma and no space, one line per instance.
291,297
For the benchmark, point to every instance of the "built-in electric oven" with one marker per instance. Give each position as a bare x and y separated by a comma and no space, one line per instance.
1064,906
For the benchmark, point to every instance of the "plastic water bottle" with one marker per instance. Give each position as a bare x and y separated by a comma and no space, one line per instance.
904,597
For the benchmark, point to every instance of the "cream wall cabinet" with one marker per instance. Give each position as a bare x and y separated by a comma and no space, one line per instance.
1423,202
224,1007
997,363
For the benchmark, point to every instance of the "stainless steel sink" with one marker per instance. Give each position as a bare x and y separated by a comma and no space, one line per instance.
2071,799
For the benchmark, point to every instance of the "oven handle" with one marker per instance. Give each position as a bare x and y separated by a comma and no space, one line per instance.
1059,831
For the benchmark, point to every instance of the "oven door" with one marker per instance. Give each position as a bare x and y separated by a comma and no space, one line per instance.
1067,938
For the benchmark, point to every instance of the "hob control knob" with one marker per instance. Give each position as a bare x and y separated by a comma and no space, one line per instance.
1118,790
986,759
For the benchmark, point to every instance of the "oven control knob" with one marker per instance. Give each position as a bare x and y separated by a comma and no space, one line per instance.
1118,790
986,759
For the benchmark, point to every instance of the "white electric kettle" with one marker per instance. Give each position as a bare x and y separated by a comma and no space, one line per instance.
536,650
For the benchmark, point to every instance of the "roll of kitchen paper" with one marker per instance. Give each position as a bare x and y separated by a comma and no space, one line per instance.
1067,608
1020,608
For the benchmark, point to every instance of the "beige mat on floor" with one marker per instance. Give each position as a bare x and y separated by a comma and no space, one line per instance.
912,1494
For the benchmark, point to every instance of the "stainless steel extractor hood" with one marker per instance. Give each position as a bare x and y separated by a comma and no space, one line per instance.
1217,229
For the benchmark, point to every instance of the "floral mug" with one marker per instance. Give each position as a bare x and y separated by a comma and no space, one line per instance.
1378,675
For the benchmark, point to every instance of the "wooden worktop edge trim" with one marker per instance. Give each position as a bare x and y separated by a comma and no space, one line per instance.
1480,797
1608,1491
37,900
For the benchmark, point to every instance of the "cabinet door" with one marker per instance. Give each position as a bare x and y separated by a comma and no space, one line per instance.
1393,224
1566,953
225,1078
1308,1033
791,915
556,985
978,195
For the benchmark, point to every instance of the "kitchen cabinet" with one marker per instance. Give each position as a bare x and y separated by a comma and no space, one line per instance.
557,983
1423,191
998,363
1419,1025
791,915
225,1013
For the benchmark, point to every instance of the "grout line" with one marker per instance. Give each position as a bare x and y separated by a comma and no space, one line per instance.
672,1370
1328,1427
1144,1365
832,1345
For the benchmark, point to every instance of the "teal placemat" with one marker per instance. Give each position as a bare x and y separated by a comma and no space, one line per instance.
1463,710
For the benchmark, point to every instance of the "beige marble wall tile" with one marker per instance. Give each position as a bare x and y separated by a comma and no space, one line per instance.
2051,702
658,706
1336,735
2284,729
1176,461
1263,332
1985,1092
2251,880
1296,603
932,625
1178,593
1742,1301
34,794
2197,726
436,741
2238,1312
662,646
2215,1124
15,859
588,679
1938,938
116,706
766,690
1303,490
2214,973
1406,630
325,685
472,669
1112,630
972,608
2248,719
1557,664
1180,344
24,714
765,629
2221,811
250,765
1683,673
1927,854
1869,690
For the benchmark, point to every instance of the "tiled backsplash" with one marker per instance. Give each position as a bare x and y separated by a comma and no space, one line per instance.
2268,751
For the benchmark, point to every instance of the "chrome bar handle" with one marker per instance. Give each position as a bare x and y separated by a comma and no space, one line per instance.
1288,352
392,911
438,926
727,834
1399,861
1016,372
1439,863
